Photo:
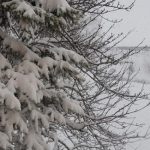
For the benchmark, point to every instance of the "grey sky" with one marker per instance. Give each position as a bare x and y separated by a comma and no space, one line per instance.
138,19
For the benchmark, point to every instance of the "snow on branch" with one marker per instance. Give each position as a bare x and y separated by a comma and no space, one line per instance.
15,45
28,106
47,64
35,141
76,126
4,141
51,66
36,116
27,84
62,53
2,33
67,104
31,56
25,9
8,98
56,116
27,67
33,96
59,5
14,118
72,106
4,63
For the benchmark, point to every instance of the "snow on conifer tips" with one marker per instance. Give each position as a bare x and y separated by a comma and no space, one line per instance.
54,12
33,93
4,63
15,45
25,10
7,98
24,90
4,141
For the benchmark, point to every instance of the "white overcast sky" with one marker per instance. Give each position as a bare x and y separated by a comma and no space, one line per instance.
138,19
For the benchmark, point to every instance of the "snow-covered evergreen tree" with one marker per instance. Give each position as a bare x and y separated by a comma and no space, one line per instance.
33,77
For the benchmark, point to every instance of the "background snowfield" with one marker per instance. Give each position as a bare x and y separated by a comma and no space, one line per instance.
141,65
137,20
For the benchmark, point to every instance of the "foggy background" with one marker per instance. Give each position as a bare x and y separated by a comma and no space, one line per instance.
137,20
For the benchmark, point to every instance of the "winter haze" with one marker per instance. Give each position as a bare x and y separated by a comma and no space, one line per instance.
138,21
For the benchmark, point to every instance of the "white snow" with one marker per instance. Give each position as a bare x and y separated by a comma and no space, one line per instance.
12,118
4,141
27,67
73,106
15,45
47,64
26,9
10,100
35,141
37,115
69,55
4,63
31,56
27,84
55,5
56,116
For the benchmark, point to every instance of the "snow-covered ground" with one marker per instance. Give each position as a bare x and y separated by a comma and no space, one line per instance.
141,64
